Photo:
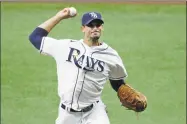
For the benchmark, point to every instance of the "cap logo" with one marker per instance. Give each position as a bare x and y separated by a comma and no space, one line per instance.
93,15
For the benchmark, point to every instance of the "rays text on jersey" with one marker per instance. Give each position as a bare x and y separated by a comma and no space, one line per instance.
86,62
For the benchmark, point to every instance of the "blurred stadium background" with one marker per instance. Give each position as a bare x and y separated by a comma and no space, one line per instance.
149,37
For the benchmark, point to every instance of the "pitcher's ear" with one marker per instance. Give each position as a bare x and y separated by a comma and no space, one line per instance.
82,28
102,28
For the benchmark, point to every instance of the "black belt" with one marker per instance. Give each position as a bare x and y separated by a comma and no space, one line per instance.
83,110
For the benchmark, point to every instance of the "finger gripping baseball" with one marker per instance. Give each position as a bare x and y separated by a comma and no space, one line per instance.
132,99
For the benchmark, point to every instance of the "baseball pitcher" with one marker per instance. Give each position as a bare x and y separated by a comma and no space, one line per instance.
83,67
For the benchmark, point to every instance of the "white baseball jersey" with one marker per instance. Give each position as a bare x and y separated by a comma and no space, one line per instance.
82,70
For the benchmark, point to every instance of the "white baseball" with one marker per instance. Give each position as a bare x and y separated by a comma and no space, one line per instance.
73,11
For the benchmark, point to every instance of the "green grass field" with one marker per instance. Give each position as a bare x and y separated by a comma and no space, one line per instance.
149,38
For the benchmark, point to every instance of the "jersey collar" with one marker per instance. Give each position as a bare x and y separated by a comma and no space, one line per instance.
101,47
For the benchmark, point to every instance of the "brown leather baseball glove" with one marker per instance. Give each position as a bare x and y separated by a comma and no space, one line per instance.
132,99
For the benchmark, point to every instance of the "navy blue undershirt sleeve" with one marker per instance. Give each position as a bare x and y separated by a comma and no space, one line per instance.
116,84
36,37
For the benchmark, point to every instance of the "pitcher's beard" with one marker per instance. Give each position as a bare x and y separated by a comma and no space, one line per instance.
94,39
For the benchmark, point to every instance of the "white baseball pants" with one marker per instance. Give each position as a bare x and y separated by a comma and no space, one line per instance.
97,115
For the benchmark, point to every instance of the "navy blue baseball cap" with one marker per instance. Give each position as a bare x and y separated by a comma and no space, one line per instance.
90,16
